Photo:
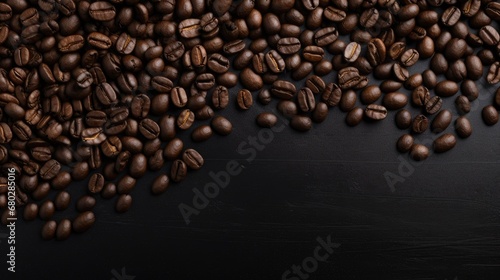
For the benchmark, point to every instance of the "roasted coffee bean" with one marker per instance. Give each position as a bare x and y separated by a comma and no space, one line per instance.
376,112
455,49
489,35
160,184
220,97
283,89
96,183
409,57
444,143
325,36
441,121
185,119
267,120
405,142
433,105
457,71
140,106
50,169
376,52
493,76
95,118
127,183
83,222
349,77
178,171
446,88
354,117
99,40
218,63
250,80
149,129
348,101
463,104
244,99
289,45
451,16
48,230
102,11
490,115
400,73
390,86
463,127
313,53
370,94
85,203
301,123
403,119
419,152
420,124
221,125
474,67
47,210
352,51
123,203
71,43
306,100
201,133
395,100
192,159
315,84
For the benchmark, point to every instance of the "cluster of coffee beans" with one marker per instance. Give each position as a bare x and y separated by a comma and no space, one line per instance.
101,90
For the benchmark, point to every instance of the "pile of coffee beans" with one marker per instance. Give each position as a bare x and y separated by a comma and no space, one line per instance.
101,91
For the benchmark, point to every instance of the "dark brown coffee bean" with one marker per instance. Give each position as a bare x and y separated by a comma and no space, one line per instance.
489,35
149,129
400,73
221,125
325,36
409,57
178,171
250,80
433,105
30,211
306,100
313,53
71,43
352,51
446,88
349,77
395,100
244,99
102,11
451,16
441,121
266,120
403,119
419,152
444,143
463,104
493,10
201,133
99,40
493,76
334,14
50,169
192,159
160,184
376,112
85,203
301,123
185,119
463,127
474,67
283,89
96,183
405,142
376,52
48,230
275,62
420,124
354,117
83,222
490,115
47,210
127,183
289,45
370,94
455,49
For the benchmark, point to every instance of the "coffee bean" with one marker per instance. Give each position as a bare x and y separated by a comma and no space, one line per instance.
390,86
444,143
83,222
395,100
201,133
102,11
400,73
446,88
349,77
405,143
47,210
455,49
490,115
96,183
244,99
178,171
419,152
334,14
463,104
289,45
85,203
160,184
474,67
493,76
50,169
185,119
451,16
192,159
283,89
325,36
306,100
149,129
409,57
48,230
489,35
420,124
463,127
433,105
370,94
403,119
441,121
301,123
30,212
123,203
376,112
376,52
250,80
127,183
493,10
354,117
352,51
348,101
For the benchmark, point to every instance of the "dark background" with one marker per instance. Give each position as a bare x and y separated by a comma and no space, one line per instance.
441,221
